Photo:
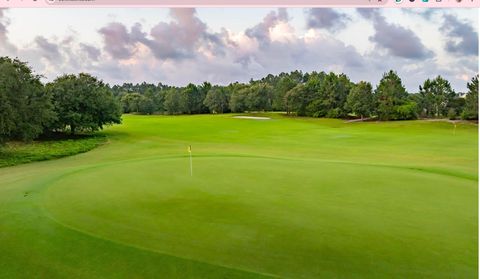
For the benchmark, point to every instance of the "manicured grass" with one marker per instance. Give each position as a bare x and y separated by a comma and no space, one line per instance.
15,153
286,197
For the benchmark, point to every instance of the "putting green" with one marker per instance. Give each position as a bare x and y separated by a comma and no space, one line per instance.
295,198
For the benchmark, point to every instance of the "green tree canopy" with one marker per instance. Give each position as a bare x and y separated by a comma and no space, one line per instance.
25,108
259,97
216,99
238,99
360,100
390,95
280,89
193,97
436,97
331,93
471,100
174,103
297,99
131,102
83,103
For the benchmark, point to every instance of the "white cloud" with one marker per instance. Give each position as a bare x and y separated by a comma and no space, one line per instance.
183,48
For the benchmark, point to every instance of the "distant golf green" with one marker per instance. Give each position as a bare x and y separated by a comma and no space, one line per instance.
280,197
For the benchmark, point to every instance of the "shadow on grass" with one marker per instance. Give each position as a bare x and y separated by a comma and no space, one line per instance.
66,136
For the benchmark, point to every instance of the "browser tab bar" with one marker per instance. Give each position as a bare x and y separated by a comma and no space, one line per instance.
244,3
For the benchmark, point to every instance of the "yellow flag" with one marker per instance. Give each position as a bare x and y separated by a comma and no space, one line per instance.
190,149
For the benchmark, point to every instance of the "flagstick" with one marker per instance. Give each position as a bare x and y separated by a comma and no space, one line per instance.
191,164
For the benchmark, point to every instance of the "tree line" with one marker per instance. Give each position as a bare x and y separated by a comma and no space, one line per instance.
71,103
315,94
83,103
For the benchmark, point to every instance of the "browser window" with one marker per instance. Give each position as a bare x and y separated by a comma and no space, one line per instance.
239,138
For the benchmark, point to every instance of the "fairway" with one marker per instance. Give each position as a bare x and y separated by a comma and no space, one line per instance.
271,197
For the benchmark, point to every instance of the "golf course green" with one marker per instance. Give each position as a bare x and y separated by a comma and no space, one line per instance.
281,197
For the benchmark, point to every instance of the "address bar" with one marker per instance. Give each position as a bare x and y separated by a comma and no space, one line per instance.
221,3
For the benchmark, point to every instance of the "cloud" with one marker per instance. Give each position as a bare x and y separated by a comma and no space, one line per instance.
47,49
274,46
399,41
185,45
425,13
462,38
395,39
5,44
326,18
117,40
261,31
184,49
3,28
92,52
368,13
179,38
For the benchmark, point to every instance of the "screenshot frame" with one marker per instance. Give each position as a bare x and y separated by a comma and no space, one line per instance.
239,139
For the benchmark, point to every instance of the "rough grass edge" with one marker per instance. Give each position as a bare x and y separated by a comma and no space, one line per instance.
14,154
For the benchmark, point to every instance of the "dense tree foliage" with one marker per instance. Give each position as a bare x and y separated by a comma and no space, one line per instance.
471,100
280,90
174,103
259,97
144,98
25,109
297,100
131,102
74,103
392,98
217,100
360,100
83,103
436,97
315,94
330,94
238,99
193,97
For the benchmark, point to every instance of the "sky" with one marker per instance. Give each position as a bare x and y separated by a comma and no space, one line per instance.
223,45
